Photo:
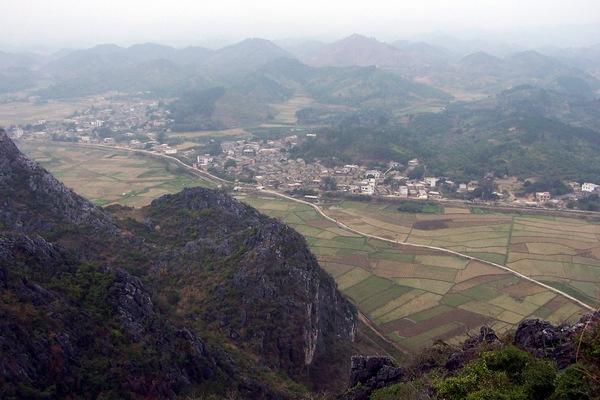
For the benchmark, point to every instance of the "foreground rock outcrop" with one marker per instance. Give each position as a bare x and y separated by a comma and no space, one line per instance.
548,347
196,293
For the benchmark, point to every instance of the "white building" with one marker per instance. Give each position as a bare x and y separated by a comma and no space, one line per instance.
589,187
403,191
542,197
431,181
204,160
369,190
413,163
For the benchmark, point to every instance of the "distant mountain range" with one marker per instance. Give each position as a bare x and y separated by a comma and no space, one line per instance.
356,72
118,67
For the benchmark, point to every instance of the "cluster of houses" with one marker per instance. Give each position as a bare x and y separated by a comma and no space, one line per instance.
268,164
107,121
263,163
579,190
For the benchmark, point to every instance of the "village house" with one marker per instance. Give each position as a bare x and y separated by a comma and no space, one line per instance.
204,160
472,185
136,144
402,191
589,187
431,181
542,197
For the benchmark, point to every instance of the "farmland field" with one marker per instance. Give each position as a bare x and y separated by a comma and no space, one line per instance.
26,113
286,111
227,133
416,296
561,252
107,176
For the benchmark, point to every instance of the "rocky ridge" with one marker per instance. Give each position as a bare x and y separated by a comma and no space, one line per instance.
539,338
94,304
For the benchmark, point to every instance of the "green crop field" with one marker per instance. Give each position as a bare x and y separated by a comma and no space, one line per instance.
416,296
561,252
107,176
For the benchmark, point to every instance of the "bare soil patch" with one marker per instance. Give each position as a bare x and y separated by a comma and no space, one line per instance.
408,328
430,225
523,289
478,280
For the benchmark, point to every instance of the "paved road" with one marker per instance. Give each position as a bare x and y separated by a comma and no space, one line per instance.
350,229
439,249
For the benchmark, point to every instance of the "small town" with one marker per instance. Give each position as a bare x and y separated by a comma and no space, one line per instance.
144,124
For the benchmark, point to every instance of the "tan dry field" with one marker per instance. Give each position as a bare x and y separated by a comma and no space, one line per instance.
561,252
107,176
22,113
286,111
234,132
416,296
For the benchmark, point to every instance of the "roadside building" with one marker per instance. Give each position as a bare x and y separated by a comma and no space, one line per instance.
431,181
435,195
402,191
542,197
589,187
472,185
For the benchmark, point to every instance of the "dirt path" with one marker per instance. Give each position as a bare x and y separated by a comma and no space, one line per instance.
439,249
350,229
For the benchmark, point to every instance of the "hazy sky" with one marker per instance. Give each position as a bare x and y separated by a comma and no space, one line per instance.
181,22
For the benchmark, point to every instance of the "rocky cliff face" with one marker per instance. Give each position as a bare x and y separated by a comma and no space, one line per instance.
271,295
33,200
556,345
93,305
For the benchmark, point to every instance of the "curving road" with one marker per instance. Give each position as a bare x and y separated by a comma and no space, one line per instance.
439,249
348,228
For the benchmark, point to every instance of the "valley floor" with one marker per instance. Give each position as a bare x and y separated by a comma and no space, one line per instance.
412,295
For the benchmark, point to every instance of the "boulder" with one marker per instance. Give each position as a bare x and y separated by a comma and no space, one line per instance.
368,373
542,339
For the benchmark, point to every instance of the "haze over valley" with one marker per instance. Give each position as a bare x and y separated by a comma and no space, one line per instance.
275,200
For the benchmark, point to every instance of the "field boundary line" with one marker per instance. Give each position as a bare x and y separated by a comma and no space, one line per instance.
346,227
440,249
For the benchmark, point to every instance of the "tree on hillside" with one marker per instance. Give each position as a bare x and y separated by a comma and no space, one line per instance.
329,184
417,172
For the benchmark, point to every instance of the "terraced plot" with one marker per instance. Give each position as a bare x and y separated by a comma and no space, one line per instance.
561,252
107,176
286,111
416,296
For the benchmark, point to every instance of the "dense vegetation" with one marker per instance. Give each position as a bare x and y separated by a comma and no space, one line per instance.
556,187
502,136
194,109
588,203
415,207
506,372
189,296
